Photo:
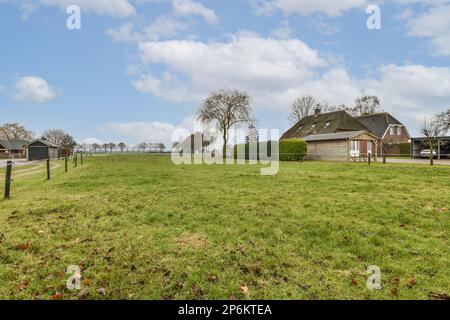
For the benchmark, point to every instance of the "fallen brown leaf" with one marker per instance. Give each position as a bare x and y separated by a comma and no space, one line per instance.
439,296
57,296
411,282
354,282
245,289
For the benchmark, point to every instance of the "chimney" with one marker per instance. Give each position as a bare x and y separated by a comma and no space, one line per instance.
317,110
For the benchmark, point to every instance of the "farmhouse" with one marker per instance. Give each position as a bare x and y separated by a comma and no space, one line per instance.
388,128
348,137
40,149
350,145
12,148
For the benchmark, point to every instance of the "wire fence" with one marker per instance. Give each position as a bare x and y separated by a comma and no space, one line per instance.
15,169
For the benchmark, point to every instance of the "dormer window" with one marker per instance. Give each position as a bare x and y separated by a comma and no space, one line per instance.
399,131
392,131
327,124
313,126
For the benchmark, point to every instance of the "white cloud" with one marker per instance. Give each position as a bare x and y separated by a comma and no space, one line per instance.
92,140
189,7
434,25
32,88
124,33
164,27
307,7
155,132
247,61
117,8
284,31
2,87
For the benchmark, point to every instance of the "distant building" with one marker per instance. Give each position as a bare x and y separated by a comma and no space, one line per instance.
40,149
12,148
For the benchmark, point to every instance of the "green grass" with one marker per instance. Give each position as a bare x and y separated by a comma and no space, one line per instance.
143,228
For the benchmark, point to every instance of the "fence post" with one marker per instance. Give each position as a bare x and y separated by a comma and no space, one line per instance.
8,179
76,160
65,163
48,169
370,158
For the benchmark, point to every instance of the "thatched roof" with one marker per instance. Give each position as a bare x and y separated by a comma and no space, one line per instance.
323,123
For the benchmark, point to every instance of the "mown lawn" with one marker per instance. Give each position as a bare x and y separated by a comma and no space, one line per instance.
142,228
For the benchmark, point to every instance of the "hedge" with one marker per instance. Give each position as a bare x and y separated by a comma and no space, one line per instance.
290,149
404,149
293,149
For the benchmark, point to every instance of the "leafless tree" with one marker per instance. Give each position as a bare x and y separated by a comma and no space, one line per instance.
95,147
385,146
365,105
225,109
432,129
301,108
15,131
54,135
444,120
122,146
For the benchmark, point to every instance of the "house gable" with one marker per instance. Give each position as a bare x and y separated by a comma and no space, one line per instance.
381,123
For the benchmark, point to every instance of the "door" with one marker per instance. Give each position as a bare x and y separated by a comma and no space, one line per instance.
37,153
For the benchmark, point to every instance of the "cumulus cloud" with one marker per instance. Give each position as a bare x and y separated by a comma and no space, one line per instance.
307,7
34,89
434,24
117,8
190,7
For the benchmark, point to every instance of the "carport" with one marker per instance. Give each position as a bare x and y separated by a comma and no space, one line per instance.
419,144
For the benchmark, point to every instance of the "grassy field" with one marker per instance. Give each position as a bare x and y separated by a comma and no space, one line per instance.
141,228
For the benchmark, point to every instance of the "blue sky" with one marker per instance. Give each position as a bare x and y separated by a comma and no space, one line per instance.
138,70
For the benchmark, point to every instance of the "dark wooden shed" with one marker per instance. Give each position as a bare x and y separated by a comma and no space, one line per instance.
40,149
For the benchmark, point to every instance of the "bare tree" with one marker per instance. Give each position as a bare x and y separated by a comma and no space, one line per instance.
444,120
111,146
121,146
15,131
365,105
105,147
301,108
142,146
95,147
54,135
385,146
432,129
225,109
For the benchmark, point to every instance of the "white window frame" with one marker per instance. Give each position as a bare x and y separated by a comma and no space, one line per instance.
392,131
355,148
399,131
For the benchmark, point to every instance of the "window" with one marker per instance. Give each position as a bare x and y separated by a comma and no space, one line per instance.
399,131
327,124
355,149
392,132
313,126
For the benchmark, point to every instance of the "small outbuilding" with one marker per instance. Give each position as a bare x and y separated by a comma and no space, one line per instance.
40,149
342,146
